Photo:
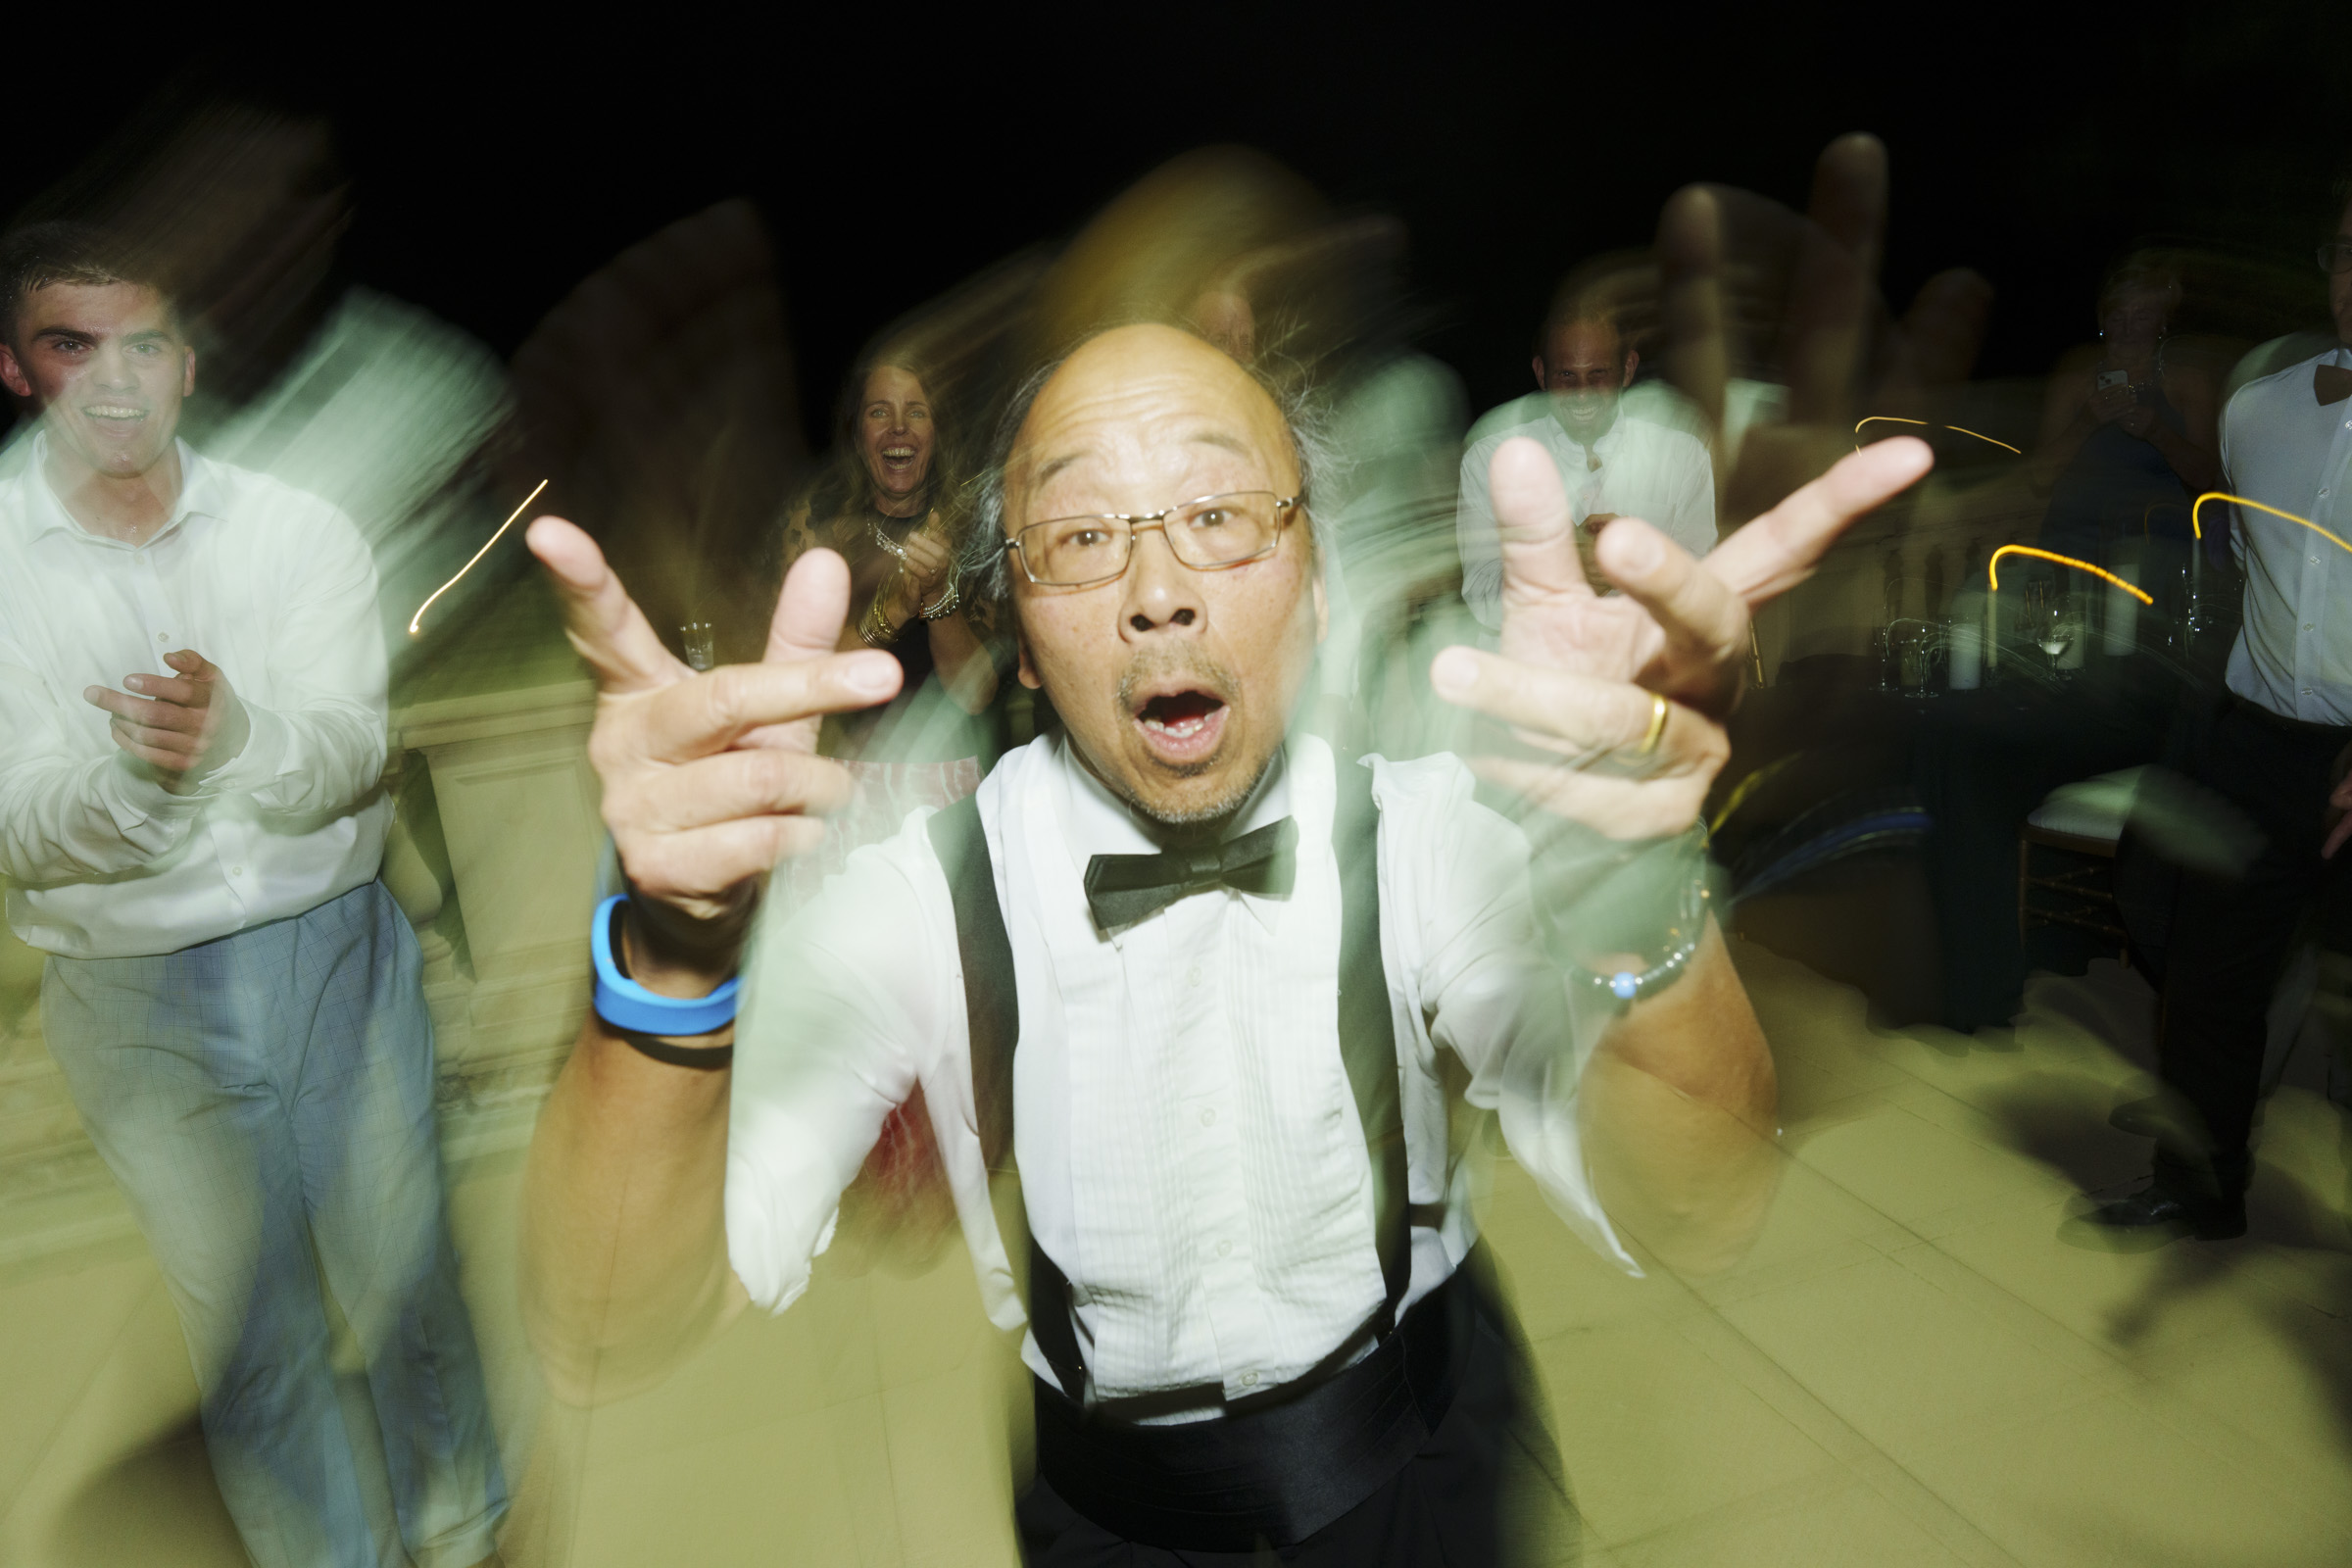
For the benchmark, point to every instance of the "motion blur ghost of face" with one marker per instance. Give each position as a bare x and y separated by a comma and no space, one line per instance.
2135,318
895,434
1584,366
108,367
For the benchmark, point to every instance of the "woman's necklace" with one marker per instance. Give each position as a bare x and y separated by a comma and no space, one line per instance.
874,516
873,525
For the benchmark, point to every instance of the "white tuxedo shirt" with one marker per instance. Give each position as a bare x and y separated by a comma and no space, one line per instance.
2284,448
1189,1144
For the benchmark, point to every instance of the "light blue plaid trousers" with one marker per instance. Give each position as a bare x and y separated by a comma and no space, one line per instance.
258,1097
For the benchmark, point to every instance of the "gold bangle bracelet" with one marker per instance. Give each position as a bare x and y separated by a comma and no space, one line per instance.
874,628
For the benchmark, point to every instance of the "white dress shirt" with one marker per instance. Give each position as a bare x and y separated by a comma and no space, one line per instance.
1647,469
2283,446
1189,1143
277,588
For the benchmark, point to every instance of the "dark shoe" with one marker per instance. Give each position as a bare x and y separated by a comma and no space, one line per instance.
2201,1198
2154,1210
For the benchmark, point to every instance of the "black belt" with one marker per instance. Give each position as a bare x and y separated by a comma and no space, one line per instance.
1277,1473
2301,728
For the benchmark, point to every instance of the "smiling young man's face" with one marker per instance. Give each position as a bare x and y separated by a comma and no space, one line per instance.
1176,685
107,366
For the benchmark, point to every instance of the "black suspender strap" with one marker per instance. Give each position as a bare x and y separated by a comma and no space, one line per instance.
991,1011
991,1007
1366,1026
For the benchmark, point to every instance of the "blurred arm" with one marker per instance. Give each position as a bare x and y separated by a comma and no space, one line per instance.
708,780
1677,1112
624,1257
1660,1117
321,745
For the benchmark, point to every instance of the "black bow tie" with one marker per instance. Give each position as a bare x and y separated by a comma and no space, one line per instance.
1122,889
2330,383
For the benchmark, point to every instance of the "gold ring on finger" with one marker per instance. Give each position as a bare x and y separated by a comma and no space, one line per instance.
1658,707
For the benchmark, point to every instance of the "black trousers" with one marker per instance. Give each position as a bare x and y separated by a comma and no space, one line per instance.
2231,939
1485,1490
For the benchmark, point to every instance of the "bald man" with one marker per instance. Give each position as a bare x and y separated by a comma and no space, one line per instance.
1193,975
1618,454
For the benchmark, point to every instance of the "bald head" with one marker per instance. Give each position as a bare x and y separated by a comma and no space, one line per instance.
1176,683
1150,392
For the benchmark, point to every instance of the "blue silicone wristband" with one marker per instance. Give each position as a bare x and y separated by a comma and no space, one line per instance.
625,1004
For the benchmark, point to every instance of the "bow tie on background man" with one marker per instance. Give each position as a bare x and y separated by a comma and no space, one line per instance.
2330,383
1122,889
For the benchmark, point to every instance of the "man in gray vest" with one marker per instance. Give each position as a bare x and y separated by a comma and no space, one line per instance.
1233,964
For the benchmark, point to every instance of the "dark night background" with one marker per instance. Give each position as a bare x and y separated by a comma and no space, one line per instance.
897,156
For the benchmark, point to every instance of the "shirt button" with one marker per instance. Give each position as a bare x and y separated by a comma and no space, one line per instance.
236,870
163,636
1208,1118
1249,1380
1224,1249
1192,976
2307,625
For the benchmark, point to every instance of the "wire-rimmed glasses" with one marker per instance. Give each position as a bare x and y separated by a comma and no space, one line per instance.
1212,532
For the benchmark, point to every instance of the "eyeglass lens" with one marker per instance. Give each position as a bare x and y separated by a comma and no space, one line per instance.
1213,531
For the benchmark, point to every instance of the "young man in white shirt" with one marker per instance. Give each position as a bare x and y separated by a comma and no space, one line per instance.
1618,452
192,687
1232,965
2277,754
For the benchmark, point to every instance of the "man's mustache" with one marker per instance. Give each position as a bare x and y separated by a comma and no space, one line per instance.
1157,667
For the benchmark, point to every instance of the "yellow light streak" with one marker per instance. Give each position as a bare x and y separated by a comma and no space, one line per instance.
2197,512
1993,569
1979,435
1896,418
416,618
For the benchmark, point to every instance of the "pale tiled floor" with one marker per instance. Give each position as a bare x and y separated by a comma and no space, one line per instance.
1910,1367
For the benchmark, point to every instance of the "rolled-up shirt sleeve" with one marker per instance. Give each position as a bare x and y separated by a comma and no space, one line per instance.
1488,994
845,1002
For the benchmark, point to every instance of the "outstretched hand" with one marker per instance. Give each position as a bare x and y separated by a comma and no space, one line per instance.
710,779
1618,703
1581,679
184,725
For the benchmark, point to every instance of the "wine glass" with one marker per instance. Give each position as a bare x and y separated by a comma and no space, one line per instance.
2057,628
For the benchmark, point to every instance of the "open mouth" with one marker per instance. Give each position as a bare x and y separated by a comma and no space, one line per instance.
1182,726
895,458
114,413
